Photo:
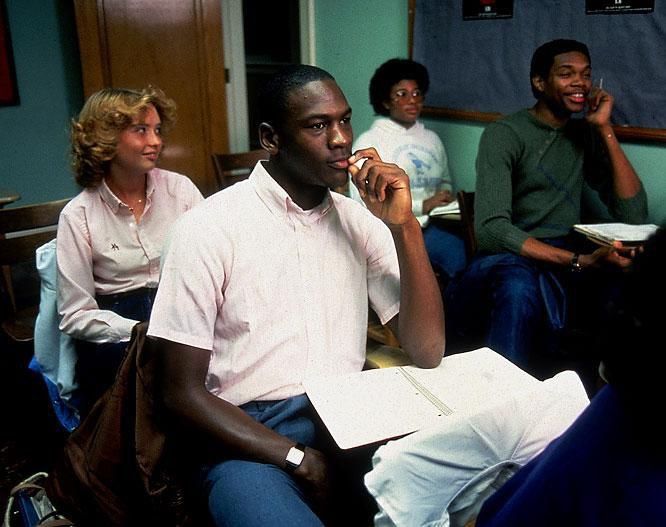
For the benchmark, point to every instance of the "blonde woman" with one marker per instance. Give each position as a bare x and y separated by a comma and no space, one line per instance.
110,236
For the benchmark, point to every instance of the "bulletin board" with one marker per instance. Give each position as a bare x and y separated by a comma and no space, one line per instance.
479,69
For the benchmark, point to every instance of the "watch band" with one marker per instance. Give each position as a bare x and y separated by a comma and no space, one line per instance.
575,266
294,457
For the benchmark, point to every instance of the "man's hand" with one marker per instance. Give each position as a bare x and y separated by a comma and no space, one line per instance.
600,107
384,187
440,198
313,472
616,255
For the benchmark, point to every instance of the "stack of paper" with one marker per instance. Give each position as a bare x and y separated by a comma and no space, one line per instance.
607,233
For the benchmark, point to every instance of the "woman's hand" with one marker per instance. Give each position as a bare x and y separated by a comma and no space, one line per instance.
440,198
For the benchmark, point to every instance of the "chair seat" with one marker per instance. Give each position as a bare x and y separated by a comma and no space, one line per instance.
384,357
21,326
382,334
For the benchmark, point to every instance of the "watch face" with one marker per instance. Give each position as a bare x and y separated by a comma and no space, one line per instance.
295,456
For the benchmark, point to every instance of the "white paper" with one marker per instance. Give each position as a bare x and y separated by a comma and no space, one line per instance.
450,208
374,405
623,232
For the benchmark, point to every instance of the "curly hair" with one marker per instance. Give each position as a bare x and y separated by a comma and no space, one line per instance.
106,113
391,73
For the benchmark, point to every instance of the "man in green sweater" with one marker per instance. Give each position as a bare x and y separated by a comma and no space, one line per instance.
532,167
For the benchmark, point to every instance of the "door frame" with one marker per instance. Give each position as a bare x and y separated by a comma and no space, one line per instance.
234,60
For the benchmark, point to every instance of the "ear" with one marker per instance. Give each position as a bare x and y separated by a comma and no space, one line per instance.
538,83
387,105
268,138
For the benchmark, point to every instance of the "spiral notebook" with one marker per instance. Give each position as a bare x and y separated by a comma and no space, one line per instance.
374,405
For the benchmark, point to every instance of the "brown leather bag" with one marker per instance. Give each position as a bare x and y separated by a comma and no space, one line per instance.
115,468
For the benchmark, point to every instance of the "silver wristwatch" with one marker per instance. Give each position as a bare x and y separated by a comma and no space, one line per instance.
294,457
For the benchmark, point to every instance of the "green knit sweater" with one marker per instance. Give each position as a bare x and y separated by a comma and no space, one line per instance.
530,177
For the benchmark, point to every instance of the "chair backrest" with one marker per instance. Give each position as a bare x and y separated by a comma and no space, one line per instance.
466,202
22,230
231,168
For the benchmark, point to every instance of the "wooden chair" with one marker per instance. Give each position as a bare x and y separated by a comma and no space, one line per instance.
466,202
232,168
22,231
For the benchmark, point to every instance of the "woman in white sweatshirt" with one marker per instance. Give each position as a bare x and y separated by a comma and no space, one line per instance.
397,91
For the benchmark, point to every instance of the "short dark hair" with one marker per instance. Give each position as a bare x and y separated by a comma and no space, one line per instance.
544,56
272,106
391,73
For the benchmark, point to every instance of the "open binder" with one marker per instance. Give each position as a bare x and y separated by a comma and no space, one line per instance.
375,405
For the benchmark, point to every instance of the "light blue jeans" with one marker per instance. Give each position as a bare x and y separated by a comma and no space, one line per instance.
246,493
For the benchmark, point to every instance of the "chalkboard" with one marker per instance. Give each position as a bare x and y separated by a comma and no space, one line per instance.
479,69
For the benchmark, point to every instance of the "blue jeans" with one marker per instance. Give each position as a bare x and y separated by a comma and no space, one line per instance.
503,296
97,364
499,293
246,493
446,250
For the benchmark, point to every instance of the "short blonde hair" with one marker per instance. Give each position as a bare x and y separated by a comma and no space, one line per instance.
107,113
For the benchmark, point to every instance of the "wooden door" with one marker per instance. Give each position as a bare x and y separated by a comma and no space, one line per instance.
173,44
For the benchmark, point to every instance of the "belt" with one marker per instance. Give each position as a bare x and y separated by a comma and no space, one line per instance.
141,291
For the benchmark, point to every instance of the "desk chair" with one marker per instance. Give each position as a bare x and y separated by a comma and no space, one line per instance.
379,334
466,202
232,168
22,230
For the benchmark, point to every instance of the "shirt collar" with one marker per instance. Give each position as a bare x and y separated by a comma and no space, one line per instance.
109,197
280,203
150,186
114,202
390,125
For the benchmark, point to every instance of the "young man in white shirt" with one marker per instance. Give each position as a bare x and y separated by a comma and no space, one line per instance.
267,284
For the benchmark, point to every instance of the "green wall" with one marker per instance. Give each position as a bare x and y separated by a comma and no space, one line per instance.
353,38
33,135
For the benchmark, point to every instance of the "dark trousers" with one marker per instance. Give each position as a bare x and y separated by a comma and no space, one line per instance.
524,307
97,364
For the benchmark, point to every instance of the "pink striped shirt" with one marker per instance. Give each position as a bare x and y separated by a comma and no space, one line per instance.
102,250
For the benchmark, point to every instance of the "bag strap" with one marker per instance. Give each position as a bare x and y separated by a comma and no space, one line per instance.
25,486
56,522
54,519
29,483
